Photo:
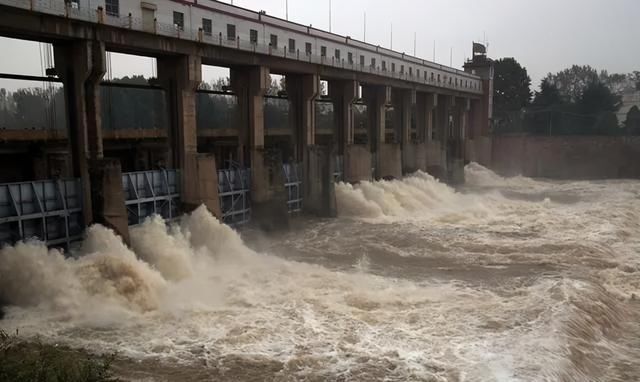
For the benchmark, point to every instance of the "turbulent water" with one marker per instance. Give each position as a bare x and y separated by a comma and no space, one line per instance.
505,280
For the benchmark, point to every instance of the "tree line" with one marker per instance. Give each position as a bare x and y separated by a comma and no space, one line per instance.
579,100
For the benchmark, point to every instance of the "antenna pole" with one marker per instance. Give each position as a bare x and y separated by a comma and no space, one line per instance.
415,39
391,36
287,11
329,15
434,50
364,38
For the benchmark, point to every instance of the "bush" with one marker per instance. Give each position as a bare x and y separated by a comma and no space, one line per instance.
24,361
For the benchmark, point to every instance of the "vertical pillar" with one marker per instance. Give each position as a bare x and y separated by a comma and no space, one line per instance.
268,194
408,150
181,76
81,65
388,156
302,91
343,94
318,162
432,106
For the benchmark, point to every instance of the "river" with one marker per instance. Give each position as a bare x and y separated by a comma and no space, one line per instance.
505,279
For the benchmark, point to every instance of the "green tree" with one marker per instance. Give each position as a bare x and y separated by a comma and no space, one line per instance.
632,123
597,98
548,95
573,81
512,86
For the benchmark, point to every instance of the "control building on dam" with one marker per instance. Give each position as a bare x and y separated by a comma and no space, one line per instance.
247,156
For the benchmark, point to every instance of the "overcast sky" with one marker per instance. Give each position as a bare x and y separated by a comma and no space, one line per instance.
543,35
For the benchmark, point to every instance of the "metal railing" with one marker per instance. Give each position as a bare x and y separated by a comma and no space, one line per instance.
148,193
48,210
293,186
82,10
234,192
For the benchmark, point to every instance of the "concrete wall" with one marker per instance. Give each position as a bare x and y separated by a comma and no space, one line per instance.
414,157
567,157
479,150
389,161
357,163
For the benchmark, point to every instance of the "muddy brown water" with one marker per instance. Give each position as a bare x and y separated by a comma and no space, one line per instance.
505,280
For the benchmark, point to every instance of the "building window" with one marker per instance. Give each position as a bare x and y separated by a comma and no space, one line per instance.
432,76
450,80
350,58
410,71
292,45
207,27
308,48
418,73
231,32
323,51
361,60
384,66
425,75
337,54
274,41
438,78
393,67
373,62
112,7
401,69
253,36
178,20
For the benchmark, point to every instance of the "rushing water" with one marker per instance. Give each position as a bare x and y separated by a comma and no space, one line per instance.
505,280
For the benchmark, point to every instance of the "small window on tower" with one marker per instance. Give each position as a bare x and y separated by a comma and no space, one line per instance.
112,7
253,36
308,48
231,32
274,41
207,27
323,51
292,45
178,20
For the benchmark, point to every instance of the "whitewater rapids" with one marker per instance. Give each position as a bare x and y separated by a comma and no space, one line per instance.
506,279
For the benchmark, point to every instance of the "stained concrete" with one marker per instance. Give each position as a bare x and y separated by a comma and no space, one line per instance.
357,163
389,161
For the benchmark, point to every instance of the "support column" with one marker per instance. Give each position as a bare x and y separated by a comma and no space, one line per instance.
81,65
409,150
388,156
356,158
181,76
268,194
318,162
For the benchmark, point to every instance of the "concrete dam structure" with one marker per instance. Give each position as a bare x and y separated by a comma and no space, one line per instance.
390,114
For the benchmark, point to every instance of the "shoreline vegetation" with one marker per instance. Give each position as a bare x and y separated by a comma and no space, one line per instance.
23,360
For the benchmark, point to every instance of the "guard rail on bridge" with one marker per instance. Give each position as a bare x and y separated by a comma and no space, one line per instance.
47,210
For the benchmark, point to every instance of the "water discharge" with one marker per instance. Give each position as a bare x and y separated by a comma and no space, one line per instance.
503,280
